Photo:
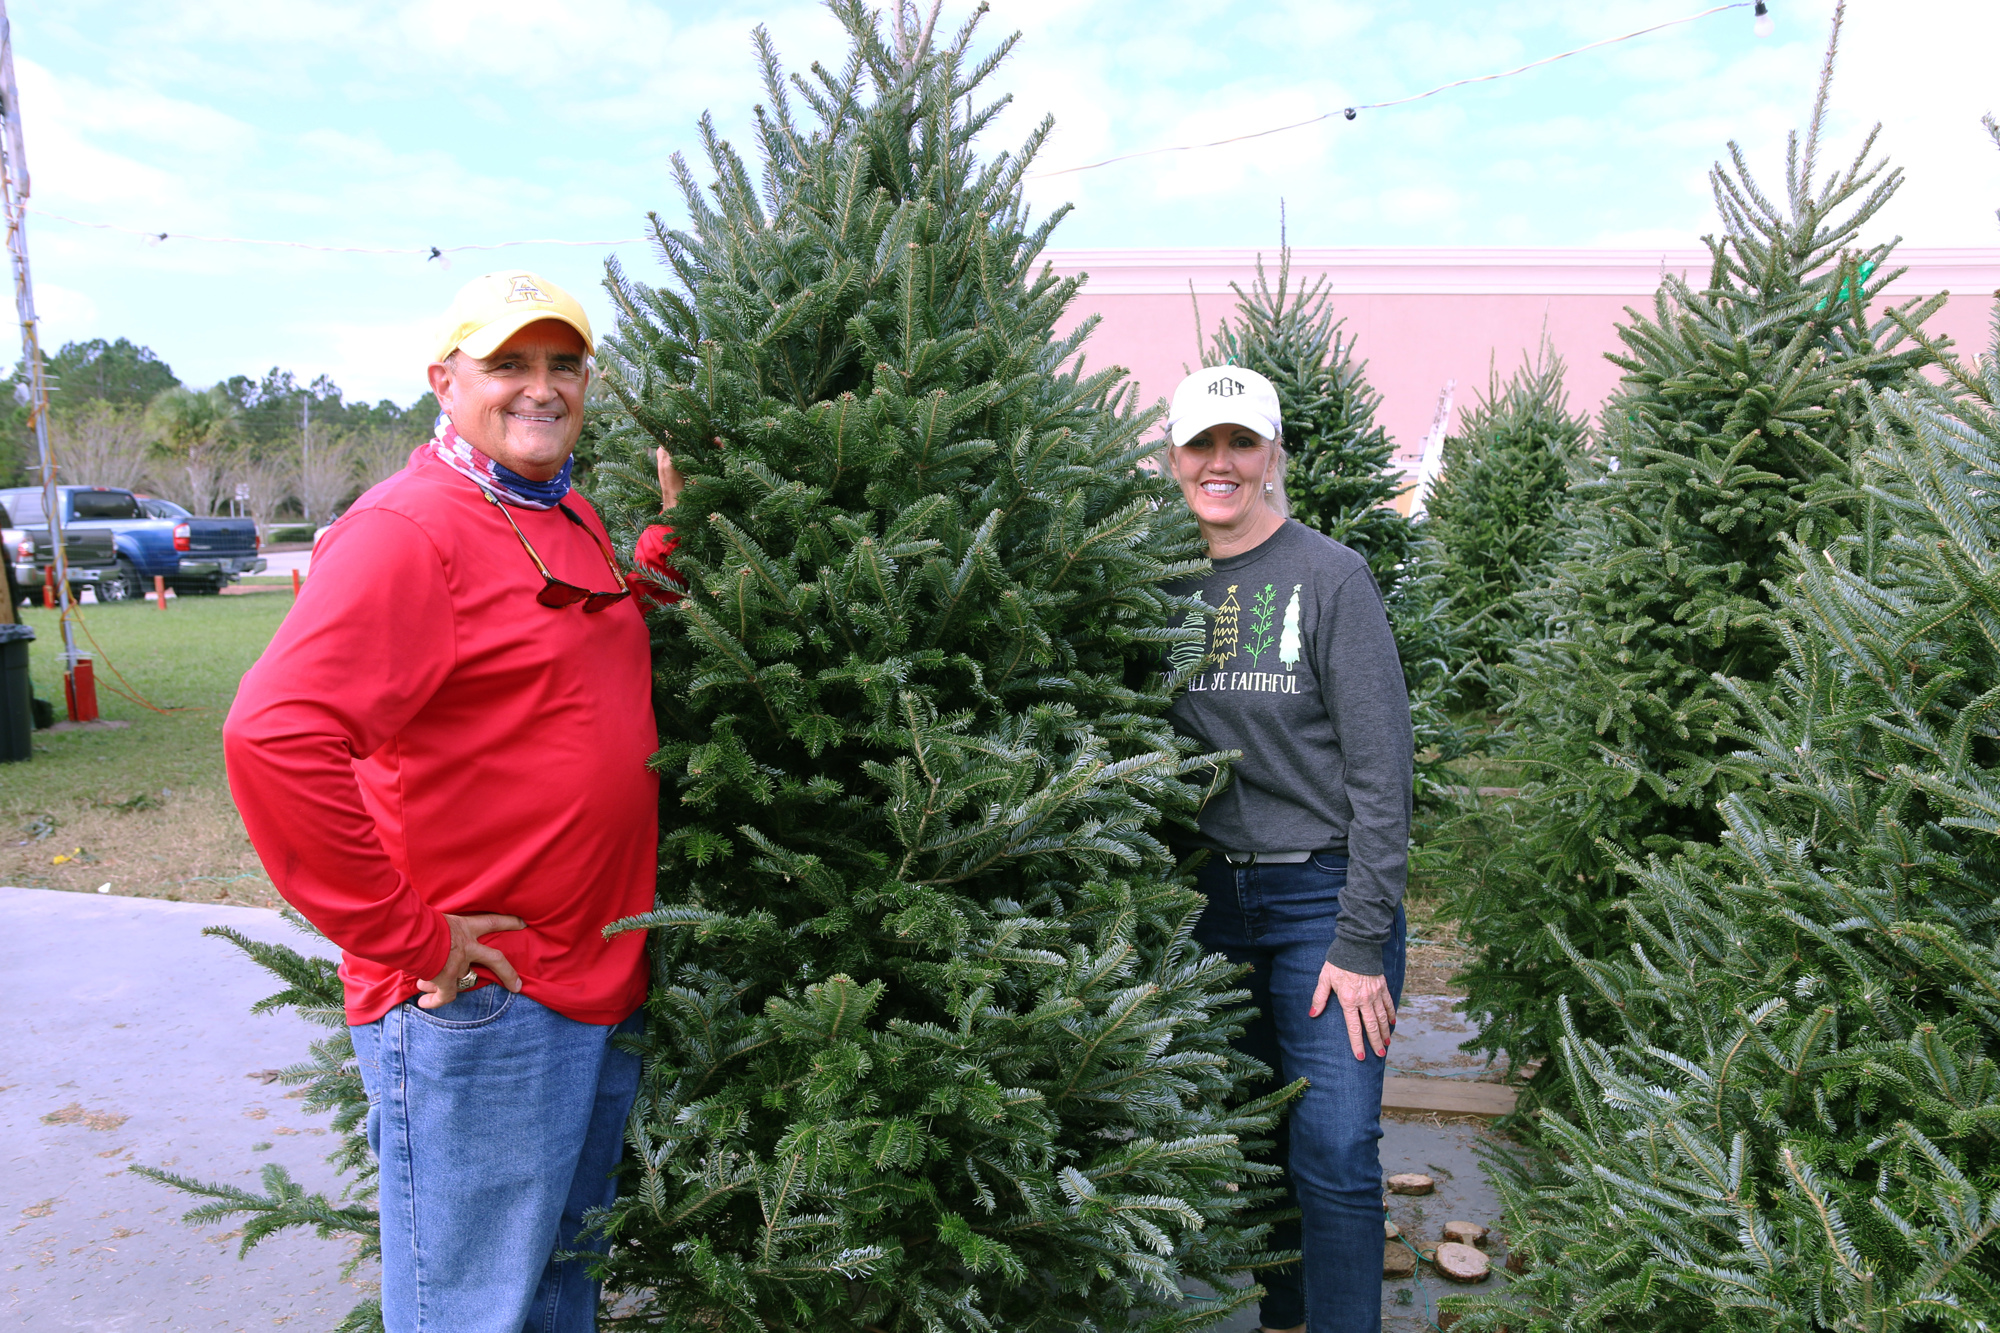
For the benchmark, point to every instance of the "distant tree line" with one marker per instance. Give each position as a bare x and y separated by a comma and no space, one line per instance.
119,416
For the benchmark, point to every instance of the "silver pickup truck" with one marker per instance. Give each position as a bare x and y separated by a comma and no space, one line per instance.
29,552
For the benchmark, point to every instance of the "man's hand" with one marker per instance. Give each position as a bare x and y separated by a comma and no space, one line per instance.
466,950
1365,1001
671,480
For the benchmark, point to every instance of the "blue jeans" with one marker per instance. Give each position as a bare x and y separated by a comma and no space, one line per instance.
1279,919
497,1124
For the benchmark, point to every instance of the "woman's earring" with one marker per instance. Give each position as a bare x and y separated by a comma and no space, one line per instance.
1268,488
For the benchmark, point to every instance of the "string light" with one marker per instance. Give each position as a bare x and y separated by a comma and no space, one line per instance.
1349,113
428,252
437,253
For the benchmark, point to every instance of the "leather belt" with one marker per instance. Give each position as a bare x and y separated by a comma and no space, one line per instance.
1266,858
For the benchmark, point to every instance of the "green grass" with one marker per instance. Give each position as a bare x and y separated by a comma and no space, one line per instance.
147,806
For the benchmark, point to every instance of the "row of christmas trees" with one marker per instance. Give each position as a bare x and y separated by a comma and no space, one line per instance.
1747,903
928,1047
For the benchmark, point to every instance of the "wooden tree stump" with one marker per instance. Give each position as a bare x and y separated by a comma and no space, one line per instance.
1466,1233
1462,1263
1410,1182
1397,1261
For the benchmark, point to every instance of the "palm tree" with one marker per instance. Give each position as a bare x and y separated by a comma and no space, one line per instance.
196,428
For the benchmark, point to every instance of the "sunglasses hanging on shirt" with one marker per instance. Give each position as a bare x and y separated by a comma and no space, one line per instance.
556,592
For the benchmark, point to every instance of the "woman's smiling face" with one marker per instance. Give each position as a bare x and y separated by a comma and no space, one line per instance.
1222,472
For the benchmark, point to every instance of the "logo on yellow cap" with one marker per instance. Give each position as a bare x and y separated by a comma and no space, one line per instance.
524,289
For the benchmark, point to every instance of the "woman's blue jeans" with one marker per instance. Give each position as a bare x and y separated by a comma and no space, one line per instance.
497,1124
1279,919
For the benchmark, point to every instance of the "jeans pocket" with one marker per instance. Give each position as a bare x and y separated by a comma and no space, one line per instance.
472,1009
1332,863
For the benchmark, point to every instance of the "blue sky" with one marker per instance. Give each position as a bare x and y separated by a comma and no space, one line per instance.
442,122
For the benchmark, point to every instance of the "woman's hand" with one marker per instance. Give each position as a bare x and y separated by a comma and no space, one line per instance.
1365,1001
671,480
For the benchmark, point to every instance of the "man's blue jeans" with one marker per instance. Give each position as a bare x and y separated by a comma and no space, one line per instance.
1280,919
497,1124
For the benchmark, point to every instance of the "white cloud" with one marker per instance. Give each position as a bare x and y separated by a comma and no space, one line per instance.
65,314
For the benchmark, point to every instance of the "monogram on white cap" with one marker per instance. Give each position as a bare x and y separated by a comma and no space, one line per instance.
1218,395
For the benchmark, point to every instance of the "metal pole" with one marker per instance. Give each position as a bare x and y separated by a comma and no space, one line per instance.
14,186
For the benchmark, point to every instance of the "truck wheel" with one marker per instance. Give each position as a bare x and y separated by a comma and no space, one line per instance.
121,584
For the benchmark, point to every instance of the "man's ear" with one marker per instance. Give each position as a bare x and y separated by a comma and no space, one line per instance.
440,374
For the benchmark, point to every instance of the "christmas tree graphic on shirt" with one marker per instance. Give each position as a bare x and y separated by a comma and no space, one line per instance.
1288,644
1233,644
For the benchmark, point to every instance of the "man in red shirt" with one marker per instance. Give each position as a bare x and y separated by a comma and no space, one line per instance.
442,760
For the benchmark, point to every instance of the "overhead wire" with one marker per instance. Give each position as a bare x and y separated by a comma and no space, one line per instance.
1350,112
438,252
305,245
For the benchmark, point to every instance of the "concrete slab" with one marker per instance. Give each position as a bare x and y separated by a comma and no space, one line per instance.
1448,1096
126,1037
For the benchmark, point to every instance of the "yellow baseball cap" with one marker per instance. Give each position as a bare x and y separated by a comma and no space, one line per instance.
494,307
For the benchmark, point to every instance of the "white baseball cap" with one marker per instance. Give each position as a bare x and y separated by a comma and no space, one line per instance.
1218,394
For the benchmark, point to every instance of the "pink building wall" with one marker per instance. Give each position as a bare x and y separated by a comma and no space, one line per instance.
1423,318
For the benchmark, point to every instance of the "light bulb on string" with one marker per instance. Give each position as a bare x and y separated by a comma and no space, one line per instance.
1765,25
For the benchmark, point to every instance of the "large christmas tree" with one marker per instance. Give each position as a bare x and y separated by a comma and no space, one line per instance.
928,1046
1744,408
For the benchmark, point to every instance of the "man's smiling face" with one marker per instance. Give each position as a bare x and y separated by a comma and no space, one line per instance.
522,406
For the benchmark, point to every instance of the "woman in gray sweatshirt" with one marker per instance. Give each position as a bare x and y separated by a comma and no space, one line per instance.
1308,845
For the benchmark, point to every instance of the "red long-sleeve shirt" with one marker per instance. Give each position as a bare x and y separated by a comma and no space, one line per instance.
423,737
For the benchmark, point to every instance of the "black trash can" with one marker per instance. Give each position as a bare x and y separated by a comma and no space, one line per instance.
17,708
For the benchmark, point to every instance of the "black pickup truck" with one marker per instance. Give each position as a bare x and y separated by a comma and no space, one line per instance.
30,553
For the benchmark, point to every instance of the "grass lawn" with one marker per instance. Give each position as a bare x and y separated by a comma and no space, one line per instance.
144,808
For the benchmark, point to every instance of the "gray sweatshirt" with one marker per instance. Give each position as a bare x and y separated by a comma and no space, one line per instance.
1300,673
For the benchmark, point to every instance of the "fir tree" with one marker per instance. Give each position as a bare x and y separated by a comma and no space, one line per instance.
1742,411
1495,510
1340,480
928,1046
1798,1126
